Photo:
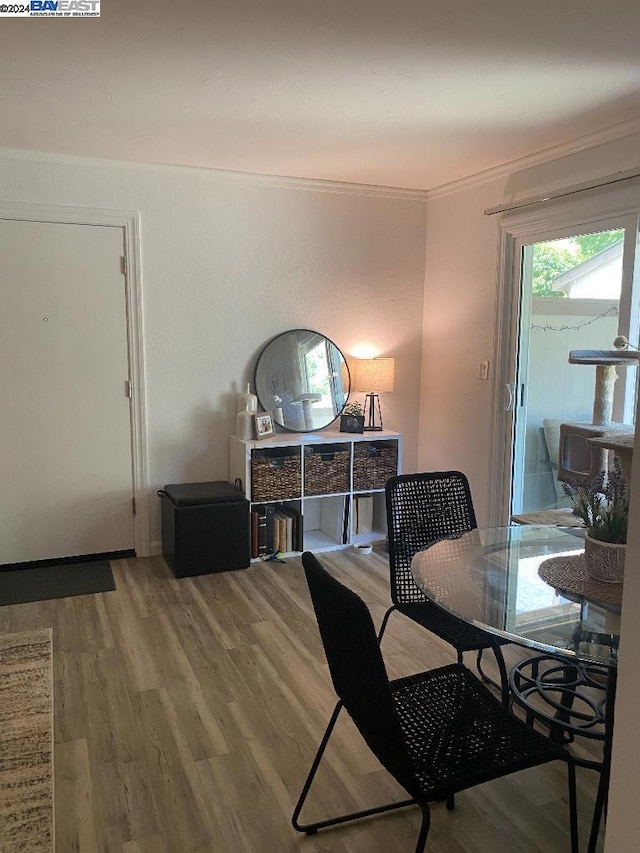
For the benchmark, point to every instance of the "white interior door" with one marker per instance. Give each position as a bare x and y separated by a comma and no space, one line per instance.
65,453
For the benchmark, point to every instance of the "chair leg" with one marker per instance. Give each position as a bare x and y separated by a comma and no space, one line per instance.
483,675
384,622
309,829
424,828
504,678
503,686
312,828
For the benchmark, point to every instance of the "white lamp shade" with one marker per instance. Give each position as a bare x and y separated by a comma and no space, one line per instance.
373,375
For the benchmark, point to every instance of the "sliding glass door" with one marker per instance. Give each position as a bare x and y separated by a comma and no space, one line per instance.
575,290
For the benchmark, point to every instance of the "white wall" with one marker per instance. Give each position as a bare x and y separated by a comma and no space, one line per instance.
459,308
455,406
229,262
456,417
623,823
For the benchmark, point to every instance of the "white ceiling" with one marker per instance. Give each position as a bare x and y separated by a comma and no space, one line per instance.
405,93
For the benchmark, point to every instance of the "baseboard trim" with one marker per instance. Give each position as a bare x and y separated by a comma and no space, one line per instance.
56,561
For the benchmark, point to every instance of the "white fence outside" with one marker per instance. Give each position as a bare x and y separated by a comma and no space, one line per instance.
555,388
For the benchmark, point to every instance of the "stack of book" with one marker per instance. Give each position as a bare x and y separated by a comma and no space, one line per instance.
275,528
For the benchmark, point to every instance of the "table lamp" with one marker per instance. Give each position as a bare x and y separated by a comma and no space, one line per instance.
373,376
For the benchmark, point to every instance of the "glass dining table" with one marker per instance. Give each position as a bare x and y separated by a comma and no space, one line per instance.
528,584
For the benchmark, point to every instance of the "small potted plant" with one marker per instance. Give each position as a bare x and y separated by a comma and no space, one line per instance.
603,506
352,418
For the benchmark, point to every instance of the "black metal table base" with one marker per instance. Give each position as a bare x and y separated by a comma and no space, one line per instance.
571,698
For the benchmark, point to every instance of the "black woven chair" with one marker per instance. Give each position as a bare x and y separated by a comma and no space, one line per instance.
422,509
436,732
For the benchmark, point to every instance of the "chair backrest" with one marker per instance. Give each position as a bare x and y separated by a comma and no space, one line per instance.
357,669
421,509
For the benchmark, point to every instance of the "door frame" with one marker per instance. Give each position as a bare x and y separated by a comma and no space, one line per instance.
129,222
531,225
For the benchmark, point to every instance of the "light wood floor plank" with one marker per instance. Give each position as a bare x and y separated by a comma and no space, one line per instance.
187,713
74,805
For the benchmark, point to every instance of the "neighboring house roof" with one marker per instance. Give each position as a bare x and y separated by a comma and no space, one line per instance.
597,278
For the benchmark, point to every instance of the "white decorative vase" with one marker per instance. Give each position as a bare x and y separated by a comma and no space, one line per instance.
247,402
604,560
244,425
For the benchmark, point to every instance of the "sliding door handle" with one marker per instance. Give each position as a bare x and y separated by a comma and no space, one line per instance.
510,386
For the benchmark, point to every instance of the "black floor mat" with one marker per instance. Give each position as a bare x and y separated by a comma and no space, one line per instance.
57,581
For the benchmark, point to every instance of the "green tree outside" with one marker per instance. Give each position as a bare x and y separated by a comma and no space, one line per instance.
554,257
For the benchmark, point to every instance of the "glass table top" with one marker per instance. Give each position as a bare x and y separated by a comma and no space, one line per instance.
490,578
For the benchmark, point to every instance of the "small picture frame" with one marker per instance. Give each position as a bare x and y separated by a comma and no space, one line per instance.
263,425
351,423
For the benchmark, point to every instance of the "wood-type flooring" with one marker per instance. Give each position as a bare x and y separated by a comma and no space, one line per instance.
187,713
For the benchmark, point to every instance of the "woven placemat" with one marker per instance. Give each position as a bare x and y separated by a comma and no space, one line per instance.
569,574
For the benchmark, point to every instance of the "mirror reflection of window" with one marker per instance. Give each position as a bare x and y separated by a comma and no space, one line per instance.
303,378
316,372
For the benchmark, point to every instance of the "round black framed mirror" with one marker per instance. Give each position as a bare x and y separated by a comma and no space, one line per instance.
303,379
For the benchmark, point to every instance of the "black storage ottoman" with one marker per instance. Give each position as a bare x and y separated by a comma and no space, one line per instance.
205,528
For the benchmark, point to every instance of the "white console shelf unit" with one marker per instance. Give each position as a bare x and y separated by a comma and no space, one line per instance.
332,482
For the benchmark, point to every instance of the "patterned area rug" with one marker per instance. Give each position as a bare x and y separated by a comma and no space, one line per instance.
26,742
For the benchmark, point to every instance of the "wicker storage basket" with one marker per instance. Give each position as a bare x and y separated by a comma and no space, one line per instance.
373,464
326,470
276,478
